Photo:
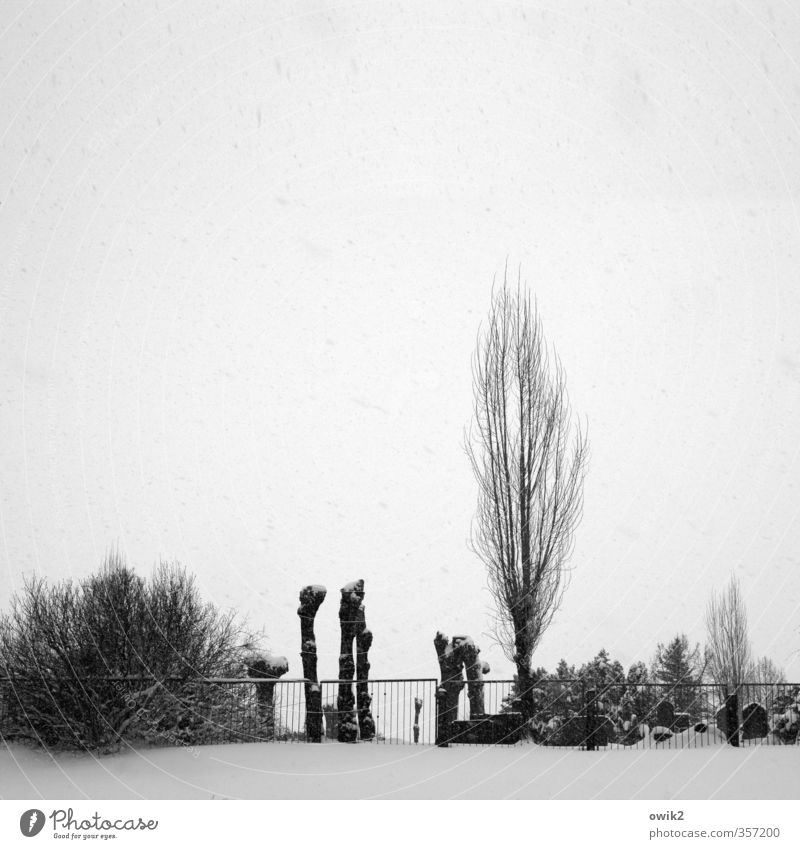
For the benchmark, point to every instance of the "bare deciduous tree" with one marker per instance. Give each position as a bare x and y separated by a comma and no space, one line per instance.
530,464
761,678
766,671
728,641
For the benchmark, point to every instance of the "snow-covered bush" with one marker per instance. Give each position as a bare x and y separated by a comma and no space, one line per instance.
107,659
785,722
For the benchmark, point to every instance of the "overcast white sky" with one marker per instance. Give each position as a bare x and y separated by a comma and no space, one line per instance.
246,249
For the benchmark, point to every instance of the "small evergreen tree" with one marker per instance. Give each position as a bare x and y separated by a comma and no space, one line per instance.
606,676
539,674
565,672
680,669
639,697
637,674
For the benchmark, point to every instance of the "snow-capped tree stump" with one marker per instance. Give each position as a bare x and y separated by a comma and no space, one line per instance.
271,667
311,597
352,596
475,669
366,723
417,709
452,683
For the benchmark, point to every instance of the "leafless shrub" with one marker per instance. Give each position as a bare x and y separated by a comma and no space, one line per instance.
114,657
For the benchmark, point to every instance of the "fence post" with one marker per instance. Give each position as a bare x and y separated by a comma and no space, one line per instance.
442,716
591,719
732,718
417,709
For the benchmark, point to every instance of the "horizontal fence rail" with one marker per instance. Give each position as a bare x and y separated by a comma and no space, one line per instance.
575,713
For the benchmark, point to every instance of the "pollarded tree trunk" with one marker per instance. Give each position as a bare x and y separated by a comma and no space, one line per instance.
271,667
452,683
352,596
475,669
366,723
311,597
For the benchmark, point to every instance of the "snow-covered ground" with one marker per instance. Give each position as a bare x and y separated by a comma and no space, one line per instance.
275,771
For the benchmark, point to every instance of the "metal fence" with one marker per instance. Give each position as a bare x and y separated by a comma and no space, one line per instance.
218,710
583,714
159,712
393,705
565,713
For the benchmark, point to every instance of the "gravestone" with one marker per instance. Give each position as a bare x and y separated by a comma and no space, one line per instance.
605,731
682,722
721,720
664,714
726,720
754,722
